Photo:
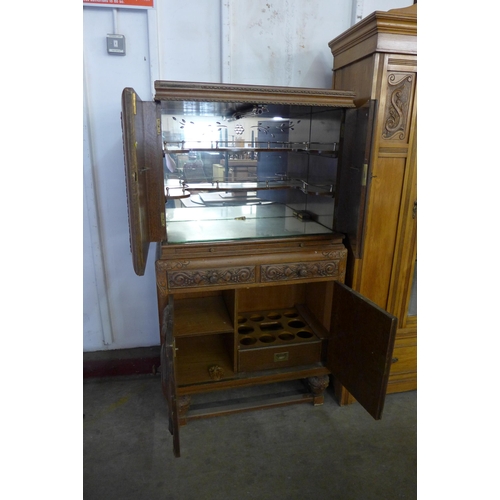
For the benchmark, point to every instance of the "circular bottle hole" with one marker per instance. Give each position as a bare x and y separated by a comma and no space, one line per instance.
296,323
257,317
286,336
241,320
245,330
267,339
248,340
291,314
274,315
304,334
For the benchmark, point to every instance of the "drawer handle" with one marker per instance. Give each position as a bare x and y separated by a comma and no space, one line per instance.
281,356
395,360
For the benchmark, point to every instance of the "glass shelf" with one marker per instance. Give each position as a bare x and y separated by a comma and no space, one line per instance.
182,147
242,222
182,189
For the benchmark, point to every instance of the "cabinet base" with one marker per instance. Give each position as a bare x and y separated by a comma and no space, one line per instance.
310,390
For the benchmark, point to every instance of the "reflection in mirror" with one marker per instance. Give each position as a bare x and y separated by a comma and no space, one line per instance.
198,134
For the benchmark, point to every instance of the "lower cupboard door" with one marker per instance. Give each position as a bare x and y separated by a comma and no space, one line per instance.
168,378
360,347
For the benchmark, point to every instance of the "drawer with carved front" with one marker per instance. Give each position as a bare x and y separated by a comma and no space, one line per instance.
302,270
217,276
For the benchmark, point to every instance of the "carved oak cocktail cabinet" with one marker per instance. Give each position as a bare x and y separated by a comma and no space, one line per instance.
243,191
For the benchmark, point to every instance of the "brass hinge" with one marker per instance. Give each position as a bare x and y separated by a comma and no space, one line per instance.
365,174
158,126
162,218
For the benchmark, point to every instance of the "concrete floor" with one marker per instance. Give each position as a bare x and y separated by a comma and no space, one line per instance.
297,452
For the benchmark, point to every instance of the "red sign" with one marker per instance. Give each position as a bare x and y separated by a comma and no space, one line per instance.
120,3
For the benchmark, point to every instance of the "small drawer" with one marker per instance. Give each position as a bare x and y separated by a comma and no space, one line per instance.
300,270
281,356
210,277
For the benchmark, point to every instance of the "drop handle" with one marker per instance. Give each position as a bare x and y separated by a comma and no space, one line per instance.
394,360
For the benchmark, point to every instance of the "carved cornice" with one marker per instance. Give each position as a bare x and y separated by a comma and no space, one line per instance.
401,22
220,92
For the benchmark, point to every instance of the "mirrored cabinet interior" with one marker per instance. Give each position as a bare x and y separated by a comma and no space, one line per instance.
237,171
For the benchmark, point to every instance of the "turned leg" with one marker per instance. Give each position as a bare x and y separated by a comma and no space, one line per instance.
318,386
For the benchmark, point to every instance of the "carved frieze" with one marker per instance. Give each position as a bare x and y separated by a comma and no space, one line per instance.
303,270
162,266
398,106
210,277
335,254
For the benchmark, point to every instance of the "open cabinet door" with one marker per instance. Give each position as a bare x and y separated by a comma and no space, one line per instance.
168,378
353,176
360,347
144,175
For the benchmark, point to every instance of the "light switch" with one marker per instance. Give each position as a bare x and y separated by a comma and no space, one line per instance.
116,45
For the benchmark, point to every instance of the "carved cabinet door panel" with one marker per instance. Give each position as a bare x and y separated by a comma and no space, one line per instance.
168,378
361,346
143,174
390,180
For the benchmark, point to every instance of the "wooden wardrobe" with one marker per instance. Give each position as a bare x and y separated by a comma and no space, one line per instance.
377,59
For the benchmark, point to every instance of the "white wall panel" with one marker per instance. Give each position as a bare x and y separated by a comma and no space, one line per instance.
285,42
189,40
132,299
370,6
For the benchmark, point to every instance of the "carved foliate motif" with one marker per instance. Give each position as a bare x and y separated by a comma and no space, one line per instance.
318,384
216,372
399,93
162,266
335,254
210,277
283,272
